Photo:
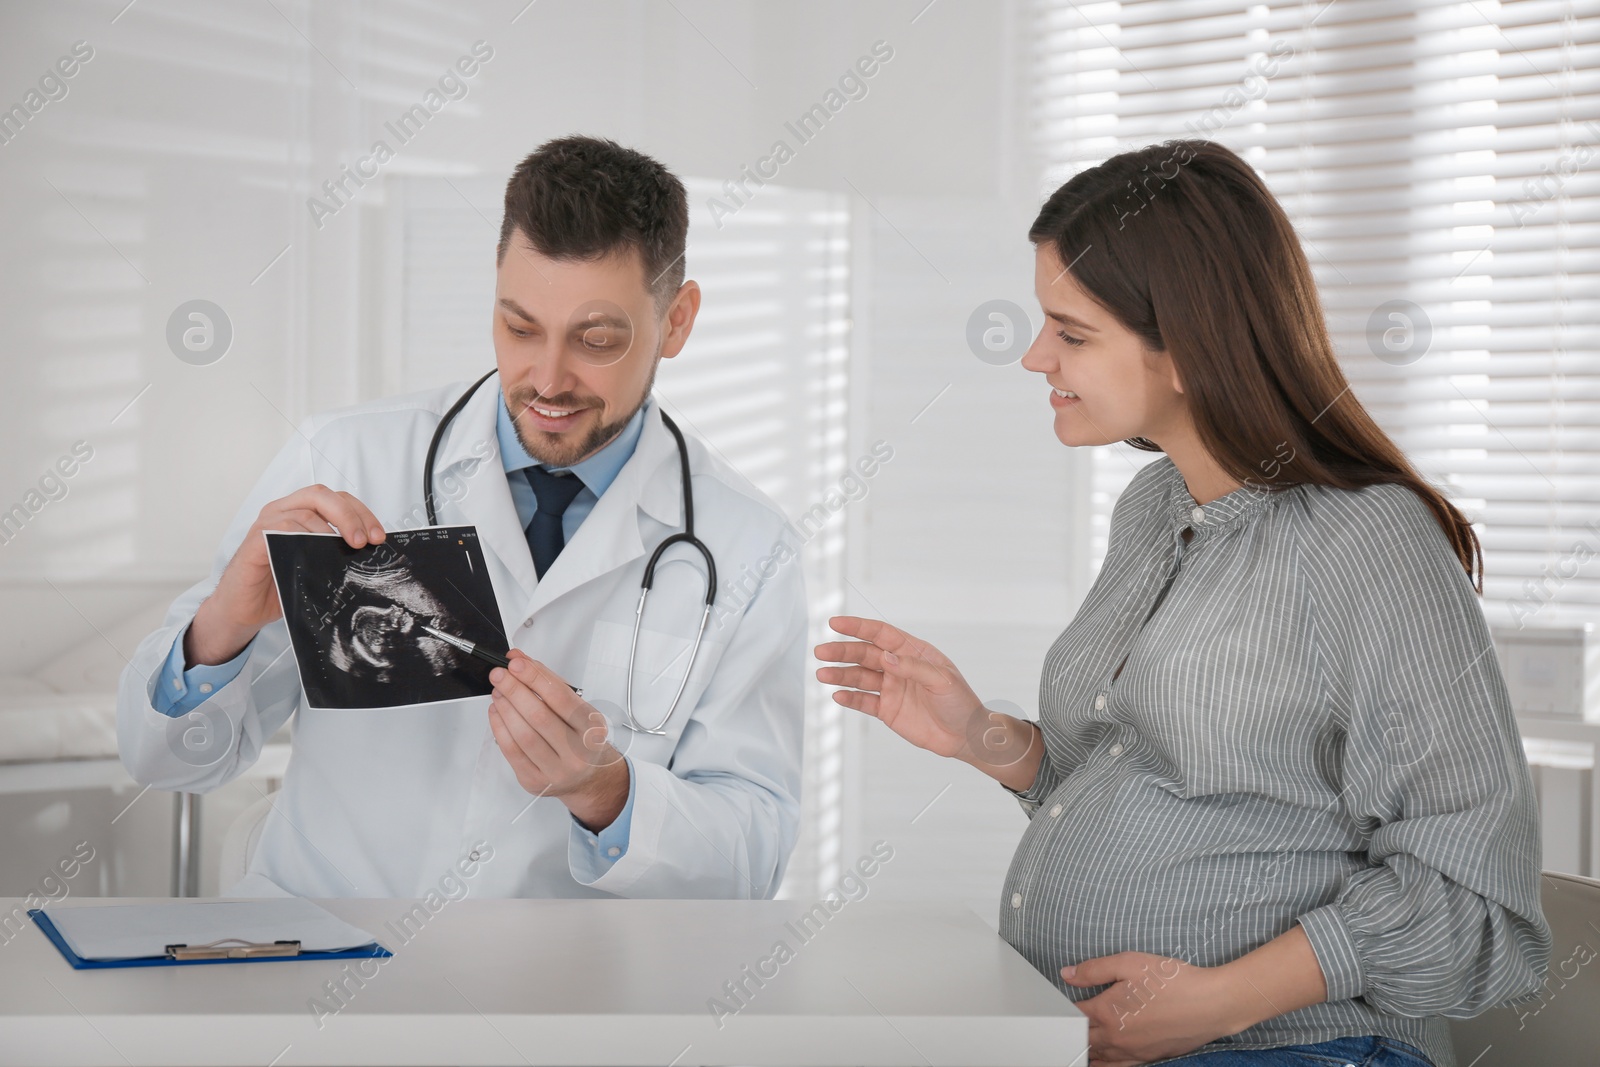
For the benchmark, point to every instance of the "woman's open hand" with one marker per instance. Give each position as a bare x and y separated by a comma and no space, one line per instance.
914,690
906,683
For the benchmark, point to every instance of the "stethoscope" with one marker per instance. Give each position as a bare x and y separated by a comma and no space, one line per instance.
687,537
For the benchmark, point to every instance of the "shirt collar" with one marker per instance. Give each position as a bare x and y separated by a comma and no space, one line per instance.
597,472
1228,509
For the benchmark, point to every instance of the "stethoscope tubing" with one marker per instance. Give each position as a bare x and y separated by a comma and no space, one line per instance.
686,537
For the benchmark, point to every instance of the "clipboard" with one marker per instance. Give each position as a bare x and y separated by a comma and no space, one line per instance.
186,955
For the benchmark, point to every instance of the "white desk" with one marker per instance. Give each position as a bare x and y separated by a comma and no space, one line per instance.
614,982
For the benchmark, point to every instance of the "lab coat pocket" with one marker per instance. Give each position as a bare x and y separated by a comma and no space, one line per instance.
659,669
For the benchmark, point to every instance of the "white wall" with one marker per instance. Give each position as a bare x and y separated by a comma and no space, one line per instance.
178,167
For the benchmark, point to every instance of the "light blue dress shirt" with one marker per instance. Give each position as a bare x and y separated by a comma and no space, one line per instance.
180,691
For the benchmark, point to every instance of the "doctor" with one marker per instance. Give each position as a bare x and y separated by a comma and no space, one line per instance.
564,464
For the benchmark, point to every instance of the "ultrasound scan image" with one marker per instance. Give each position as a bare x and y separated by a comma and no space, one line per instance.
356,616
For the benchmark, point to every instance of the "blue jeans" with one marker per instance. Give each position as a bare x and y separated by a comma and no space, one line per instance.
1340,1052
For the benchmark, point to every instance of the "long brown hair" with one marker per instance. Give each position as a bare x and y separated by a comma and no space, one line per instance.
1185,246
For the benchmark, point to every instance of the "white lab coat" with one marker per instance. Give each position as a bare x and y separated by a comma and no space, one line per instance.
387,803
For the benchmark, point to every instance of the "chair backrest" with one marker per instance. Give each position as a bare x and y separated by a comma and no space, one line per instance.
1563,1025
239,843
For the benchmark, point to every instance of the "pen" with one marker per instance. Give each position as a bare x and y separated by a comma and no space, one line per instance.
472,648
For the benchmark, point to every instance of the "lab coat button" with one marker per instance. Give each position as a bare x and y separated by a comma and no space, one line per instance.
1055,811
1100,702
1116,750
473,855
1198,514
528,621
1016,900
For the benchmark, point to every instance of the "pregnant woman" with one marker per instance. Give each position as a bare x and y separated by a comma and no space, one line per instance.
1279,809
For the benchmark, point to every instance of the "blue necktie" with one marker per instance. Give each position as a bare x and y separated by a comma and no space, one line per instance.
555,492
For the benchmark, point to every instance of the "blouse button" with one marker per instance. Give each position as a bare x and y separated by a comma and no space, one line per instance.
1198,514
1116,750
1016,900
1100,702
1055,811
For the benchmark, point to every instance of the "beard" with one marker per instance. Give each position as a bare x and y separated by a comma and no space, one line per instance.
563,450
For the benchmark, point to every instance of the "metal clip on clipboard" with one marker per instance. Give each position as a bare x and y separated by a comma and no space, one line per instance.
239,950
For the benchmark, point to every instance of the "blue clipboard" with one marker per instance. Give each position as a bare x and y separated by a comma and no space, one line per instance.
42,921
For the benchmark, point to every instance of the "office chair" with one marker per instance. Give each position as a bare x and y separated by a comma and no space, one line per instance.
1563,1025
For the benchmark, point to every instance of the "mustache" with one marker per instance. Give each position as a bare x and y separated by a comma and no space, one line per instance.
521,401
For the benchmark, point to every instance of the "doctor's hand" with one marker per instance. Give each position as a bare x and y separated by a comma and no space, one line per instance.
556,742
914,690
245,599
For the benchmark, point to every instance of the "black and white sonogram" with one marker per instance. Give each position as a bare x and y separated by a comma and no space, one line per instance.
356,616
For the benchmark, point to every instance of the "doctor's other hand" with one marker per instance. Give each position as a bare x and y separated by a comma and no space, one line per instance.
556,742
245,598
912,688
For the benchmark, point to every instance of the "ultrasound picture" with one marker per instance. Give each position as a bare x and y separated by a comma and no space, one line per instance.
356,616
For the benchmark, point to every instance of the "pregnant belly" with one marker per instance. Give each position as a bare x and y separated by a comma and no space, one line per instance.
1167,876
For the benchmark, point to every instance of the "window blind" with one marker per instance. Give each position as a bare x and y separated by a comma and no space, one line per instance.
763,381
1441,163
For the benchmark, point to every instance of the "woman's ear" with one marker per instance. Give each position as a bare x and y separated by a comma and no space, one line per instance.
1166,367
1172,372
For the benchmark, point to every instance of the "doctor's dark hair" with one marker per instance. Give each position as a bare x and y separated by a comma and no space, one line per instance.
1184,245
584,198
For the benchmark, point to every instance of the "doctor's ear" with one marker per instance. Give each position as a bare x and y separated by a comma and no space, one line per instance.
679,320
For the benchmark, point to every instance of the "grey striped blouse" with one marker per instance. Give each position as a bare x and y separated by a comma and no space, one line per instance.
1312,728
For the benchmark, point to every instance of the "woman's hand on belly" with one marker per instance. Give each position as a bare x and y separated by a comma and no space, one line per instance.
919,694
1158,1006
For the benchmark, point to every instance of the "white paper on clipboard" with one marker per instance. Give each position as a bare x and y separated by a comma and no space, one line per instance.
138,931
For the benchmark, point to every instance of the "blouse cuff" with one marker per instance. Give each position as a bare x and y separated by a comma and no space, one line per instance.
1043,784
1331,940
